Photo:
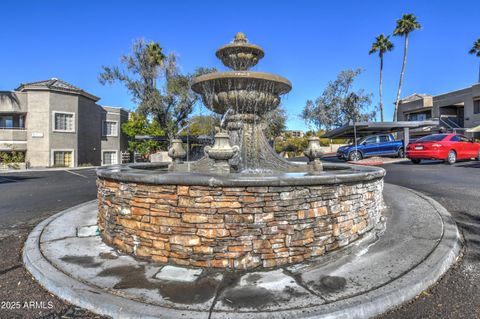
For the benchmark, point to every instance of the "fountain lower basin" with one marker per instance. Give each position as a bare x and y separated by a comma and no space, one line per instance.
236,221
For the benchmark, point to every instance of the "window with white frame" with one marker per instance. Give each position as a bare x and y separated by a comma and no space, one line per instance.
476,107
109,157
62,158
64,122
110,128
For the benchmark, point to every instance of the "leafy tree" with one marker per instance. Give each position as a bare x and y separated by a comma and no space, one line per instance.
476,48
138,124
338,104
406,25
293,146
276,123
202,125
156,85
381,45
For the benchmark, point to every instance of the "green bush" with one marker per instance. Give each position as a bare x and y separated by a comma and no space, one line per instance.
12,159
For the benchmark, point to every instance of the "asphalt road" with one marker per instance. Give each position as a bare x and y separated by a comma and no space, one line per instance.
457,188
26,198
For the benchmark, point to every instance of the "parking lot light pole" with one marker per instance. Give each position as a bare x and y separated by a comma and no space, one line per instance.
406,139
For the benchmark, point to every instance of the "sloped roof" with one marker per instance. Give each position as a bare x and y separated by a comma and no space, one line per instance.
55,84
414,97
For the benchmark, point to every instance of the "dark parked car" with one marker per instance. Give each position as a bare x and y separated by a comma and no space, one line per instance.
447,147
373,145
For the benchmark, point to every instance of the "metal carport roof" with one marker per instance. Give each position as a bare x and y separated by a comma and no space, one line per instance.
368,128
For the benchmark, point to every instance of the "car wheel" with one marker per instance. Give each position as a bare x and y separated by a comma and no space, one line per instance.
415,160
478,156
354,156
401,153
451,158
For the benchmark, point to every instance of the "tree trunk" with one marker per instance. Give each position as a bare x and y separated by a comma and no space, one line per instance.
397,101
381,81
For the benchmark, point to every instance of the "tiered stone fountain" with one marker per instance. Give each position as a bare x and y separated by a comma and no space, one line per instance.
241,206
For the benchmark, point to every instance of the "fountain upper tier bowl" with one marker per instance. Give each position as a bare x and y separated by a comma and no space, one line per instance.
244,91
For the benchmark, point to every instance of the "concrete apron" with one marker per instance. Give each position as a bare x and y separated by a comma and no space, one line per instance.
389,267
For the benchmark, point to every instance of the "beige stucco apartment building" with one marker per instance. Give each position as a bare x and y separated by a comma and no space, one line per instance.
58,124
456,110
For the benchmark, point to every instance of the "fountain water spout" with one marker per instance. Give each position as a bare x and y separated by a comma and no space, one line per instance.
314,152
221,152
177,153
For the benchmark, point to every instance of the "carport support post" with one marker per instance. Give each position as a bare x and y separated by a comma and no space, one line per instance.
406,139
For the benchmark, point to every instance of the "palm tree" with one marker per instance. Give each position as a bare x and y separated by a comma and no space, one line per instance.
476,48
155,56
406,25
476,51
381,45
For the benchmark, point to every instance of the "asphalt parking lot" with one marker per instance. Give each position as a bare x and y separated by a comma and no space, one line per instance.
26,198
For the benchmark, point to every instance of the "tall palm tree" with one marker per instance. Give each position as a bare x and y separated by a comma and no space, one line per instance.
476,48
476,51
155,55
381,45
406,25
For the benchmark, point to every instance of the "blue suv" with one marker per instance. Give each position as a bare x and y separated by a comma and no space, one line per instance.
373,145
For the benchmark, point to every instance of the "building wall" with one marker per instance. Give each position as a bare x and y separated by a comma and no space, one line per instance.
13,102
447,104
90,117
472,120
38,128
416,105
60,102
118,142
40,139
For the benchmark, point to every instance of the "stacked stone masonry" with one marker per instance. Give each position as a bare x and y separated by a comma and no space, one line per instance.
235,227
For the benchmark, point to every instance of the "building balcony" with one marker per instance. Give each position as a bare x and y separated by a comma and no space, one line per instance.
13,139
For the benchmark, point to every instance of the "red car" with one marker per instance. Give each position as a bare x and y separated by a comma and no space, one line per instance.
447,147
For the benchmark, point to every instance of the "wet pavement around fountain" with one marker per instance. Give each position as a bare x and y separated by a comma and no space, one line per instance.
366,267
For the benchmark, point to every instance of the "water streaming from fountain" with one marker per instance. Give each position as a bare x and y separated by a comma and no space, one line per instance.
243,97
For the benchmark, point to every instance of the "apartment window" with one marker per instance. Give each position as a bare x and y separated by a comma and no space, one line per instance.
6,121
418,116
109,157
62,158
476,107
110,128
64,122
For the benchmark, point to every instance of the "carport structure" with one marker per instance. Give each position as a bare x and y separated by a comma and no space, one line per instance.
360,129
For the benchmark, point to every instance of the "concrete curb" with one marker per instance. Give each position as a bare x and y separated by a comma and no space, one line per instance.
365,305
48,169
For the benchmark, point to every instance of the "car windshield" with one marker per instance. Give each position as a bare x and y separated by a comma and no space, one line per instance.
432,138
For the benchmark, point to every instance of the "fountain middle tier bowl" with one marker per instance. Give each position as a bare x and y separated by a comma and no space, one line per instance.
238,221
241,91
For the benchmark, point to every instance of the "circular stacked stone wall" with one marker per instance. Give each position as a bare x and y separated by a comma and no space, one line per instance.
235,227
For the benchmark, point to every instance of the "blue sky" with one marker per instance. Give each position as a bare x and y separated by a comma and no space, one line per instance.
308,42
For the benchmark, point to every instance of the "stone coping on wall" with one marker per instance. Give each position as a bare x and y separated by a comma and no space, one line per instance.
235,227
155,173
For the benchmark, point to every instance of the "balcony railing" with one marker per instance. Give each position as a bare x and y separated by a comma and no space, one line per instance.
17,134
12,128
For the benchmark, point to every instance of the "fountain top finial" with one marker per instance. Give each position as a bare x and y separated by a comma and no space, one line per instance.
239,54
240,37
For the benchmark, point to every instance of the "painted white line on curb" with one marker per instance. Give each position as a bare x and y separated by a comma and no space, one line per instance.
76,174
